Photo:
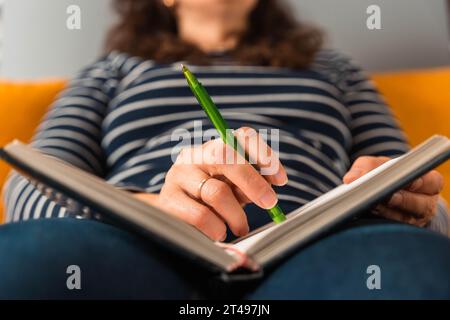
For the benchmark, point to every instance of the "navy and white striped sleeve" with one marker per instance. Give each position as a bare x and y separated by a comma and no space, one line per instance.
375,130
71,131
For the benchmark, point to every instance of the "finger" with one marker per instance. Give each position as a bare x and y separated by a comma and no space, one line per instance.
215,193
363,165
239,172
240,196
417,204
180,205
219,196
393,214
401,216
262,155
431,183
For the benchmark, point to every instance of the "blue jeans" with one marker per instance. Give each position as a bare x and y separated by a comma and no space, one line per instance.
34,257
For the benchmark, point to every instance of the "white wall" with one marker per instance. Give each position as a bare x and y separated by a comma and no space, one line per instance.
38,44
414,32
1,30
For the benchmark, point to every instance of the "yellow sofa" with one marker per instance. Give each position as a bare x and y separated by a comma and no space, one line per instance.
22,105
420,100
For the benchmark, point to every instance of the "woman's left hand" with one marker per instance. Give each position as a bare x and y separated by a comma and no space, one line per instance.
416,204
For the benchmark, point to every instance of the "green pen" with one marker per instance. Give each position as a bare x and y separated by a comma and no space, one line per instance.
221,126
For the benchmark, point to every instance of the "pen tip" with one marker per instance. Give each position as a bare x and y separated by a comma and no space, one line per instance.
183,67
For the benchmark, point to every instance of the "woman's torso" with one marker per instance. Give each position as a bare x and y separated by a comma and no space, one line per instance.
122,118
313,137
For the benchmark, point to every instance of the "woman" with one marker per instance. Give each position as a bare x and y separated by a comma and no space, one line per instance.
265,71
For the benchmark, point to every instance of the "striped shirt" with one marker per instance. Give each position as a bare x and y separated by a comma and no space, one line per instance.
115,119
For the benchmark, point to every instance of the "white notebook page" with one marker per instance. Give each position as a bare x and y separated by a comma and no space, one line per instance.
245,244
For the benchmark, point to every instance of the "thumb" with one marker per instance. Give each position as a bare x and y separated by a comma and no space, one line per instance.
363,165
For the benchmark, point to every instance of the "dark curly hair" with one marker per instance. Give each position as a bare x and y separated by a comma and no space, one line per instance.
148,29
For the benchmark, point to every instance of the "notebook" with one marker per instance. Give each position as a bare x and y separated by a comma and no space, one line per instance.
252,254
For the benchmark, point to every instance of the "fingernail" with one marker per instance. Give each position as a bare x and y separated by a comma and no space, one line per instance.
416,185
268,200
281,178
396,199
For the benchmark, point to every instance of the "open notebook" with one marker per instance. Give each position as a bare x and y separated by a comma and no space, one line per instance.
254,252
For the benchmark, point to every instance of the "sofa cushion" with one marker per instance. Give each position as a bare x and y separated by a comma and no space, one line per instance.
421,102
22,105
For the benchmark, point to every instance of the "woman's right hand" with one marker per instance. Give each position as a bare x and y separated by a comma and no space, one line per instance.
209,193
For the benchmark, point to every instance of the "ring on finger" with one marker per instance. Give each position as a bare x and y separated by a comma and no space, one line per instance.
200,187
